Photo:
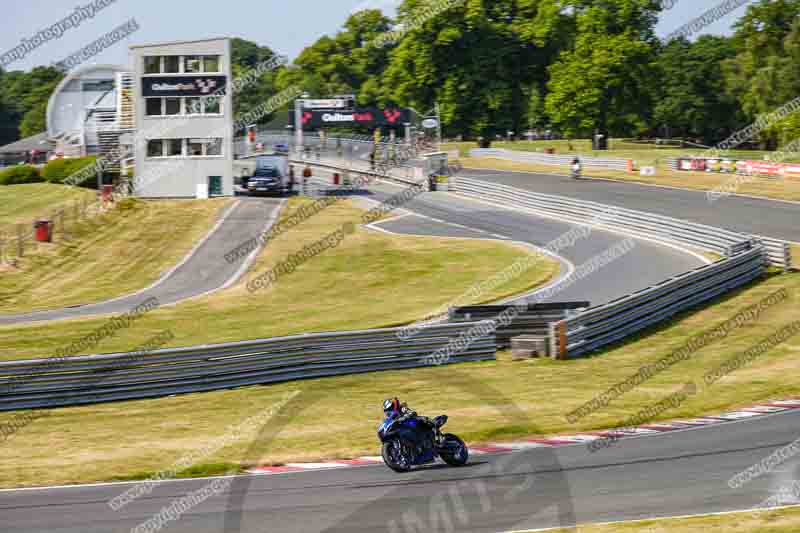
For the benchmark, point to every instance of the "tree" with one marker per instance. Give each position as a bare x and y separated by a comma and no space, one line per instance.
245,57
763,76
24,96
344,63
477,60
691,98
605,80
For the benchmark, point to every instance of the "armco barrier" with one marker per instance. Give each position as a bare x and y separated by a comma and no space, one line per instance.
401,174
616,320
779,253
746,259
616,218
534,319
547,159
101,378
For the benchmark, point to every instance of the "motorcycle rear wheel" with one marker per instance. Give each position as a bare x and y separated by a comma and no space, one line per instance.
453,451
396,456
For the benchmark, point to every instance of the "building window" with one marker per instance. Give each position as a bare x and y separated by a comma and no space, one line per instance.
212,106
173,106
195,147
153,106
202,147
214,147
174,147
191,64
210,63
181,64
172,64
183,106
155,148
152,64
193,106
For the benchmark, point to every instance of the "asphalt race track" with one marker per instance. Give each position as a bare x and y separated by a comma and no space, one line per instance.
646,264
204,271
676,473
770,218
669,474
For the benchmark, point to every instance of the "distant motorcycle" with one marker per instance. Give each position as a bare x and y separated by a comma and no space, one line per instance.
575,172
411,441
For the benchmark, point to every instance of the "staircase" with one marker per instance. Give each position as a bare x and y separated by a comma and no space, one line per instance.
109,126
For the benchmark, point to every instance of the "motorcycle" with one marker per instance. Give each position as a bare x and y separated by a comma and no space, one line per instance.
575,172
411,441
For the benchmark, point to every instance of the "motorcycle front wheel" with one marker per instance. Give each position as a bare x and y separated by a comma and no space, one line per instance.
396,455
453,451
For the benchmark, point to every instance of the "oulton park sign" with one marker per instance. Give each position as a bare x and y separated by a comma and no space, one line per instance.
183,85
369,117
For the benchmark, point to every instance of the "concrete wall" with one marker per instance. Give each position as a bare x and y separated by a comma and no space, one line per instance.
179,176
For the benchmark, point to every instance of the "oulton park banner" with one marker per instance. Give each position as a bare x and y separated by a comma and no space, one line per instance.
366,117
182,85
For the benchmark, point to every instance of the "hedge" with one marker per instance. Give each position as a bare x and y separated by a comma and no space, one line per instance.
20,174
57,170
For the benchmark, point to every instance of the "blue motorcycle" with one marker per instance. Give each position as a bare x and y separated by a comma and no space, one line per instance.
412,441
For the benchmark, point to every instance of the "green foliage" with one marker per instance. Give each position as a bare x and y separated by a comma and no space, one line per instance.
494,66
20,174
692,101
57,170
246,56
764,75
23,101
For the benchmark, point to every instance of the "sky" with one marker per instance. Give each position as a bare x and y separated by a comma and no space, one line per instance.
286,26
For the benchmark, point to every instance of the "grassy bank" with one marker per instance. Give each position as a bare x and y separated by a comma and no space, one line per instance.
102,257
774,521
486,402
24,203
643,154
702,181
370,280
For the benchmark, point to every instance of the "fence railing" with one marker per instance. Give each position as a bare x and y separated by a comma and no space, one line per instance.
616,218
530,319
746,259
125,376
616,320
15,239
548,159
405,175
779,253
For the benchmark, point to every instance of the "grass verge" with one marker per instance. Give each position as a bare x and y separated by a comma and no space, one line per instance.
643,154
773,521
22,203
121,251
701,181
336,417
370,280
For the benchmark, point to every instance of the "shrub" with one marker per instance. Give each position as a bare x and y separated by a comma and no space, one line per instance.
57,170
20,174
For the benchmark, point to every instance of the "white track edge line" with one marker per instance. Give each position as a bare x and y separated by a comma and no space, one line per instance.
676,517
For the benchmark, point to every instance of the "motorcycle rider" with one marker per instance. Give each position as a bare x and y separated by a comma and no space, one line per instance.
392,408
576,168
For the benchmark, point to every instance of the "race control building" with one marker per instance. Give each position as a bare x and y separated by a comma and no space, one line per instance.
165,123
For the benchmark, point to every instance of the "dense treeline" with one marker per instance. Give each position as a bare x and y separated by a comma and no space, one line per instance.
493,66
573,65
23,101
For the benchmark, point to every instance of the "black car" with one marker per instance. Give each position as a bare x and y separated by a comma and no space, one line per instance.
265,181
